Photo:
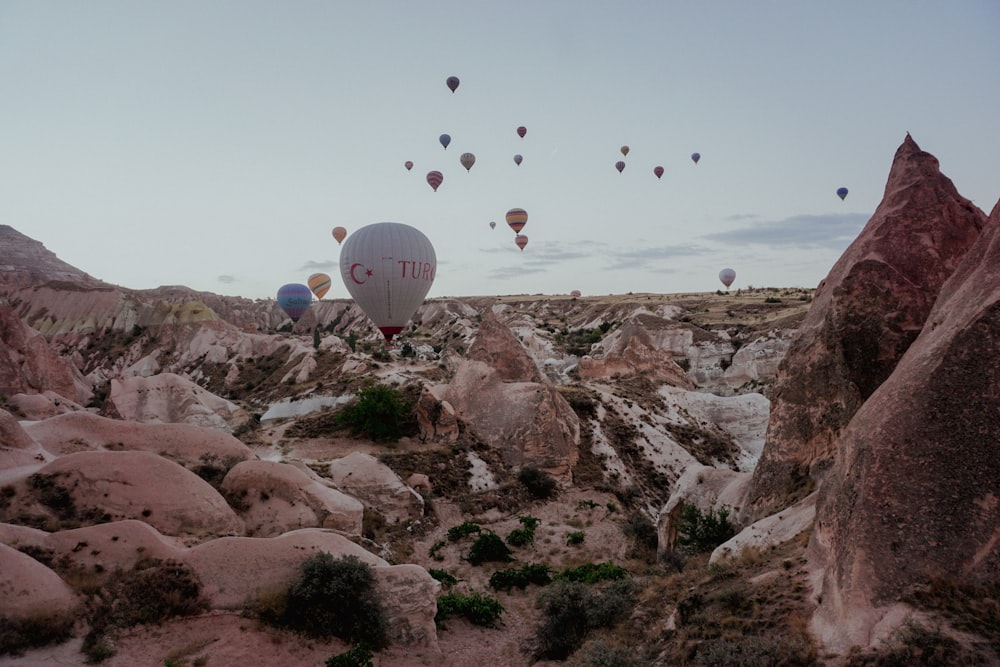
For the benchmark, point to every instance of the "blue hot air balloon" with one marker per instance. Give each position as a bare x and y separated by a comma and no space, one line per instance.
445,139
294,299
841,192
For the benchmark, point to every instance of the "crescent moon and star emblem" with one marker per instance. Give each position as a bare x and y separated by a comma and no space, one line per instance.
354,275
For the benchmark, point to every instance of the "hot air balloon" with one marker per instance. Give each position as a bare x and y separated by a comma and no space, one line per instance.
388,267
658,171
339,234
575,293
445,139
434,179
521,131
517,218
727,276
452,82
842,193
620,166
521,240
319,283
493,225
517,160
294,299
467,160
624,150
408,165
696,157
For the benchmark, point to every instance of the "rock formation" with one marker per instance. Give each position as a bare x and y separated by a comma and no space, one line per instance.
913,499
28,364
376,485
632,351
170,398
864,316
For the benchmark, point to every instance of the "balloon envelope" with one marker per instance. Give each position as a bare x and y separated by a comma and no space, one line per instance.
467,160
575,293
408,165
452,82
624,150
658,171
696,157
445,139
493,225
339,234
727,276
517,159
434,179
319,283
517,218
388,267
620,166
294,299
521,131
521,240
842,193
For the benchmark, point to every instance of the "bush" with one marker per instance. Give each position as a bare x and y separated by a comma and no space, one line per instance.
597,653
504,580
21,634
539,483
699,531
445,578
477,608
575,537
378,413
520,537
359,656
488,547
589,573
455,533
337,598
571,609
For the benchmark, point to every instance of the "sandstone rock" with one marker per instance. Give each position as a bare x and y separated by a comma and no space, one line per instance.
420,483
705,488
377,486
28,364
770,531
12,436
42,406
19,453
146,487
436,418
632,351
26,262
864,316
29,590
913,497
279,497
171,399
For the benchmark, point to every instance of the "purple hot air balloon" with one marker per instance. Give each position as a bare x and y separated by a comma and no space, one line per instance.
408,164
294,299
727,276
658,171
620,166
434,179
521,131
452,82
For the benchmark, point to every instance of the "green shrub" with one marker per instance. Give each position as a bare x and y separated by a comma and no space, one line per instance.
520,537
700,531
433,552
504,580
337,598
589,573
576,537
455,533
445,578
571,610
359,656
488,547
378,412
477,608
539,483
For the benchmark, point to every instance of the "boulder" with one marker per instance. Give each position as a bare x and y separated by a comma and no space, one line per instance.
377,486
31,591
274,498
864,316
167,398
436,418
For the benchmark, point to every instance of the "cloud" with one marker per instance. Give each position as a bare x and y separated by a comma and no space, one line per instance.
504,272
834,231
227,279
327,265
651,258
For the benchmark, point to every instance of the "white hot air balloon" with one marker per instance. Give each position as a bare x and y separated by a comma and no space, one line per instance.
388,268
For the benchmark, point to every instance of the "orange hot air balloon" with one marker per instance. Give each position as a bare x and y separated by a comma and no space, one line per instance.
319,283
620,166
624,150
434,179
408,164
521,131
658,171
339,234
521,240
517,218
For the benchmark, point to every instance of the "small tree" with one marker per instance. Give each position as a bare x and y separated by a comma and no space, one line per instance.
703,531
378,412
316,337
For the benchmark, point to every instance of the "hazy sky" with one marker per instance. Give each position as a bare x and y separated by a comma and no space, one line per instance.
216,144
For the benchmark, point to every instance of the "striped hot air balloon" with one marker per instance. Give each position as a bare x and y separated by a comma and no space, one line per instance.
294,299
467,160
434,179
521,240
521,131
658,171
517,218
620,166
319,283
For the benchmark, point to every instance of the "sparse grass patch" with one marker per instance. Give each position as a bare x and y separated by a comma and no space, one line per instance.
18,635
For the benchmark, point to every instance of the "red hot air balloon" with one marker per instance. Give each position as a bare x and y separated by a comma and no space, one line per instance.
408,165
521,240
727,276
339,234
452,82
517,160
517,218
467,160
620,166
434,179
521,131
658,171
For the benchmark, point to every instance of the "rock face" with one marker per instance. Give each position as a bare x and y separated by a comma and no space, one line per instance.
632,351
28,364
172,399
864,316
28,589
27,262
512,406
362,476
913,496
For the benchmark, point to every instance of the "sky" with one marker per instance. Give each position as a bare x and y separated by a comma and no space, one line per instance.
216,143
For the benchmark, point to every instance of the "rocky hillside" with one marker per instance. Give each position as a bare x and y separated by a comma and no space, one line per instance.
776,471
